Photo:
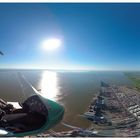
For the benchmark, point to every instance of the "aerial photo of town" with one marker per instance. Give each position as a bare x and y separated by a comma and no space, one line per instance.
69,69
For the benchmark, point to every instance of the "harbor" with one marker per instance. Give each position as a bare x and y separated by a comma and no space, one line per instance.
121,110
114,112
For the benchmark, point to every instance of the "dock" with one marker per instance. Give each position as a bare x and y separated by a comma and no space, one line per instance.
122,109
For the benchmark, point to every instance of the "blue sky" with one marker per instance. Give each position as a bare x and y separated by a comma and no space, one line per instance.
95,36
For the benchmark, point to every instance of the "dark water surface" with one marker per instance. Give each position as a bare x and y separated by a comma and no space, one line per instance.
73,90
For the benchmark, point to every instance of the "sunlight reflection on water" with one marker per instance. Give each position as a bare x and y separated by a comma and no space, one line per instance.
49,85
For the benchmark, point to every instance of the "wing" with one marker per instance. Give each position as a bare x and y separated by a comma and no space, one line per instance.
26,87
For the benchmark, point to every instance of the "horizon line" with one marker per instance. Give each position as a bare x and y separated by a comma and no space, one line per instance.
54,69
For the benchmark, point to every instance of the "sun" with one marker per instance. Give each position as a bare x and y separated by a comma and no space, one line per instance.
51,44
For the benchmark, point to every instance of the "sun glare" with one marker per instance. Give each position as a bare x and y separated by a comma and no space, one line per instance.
49,87
51,44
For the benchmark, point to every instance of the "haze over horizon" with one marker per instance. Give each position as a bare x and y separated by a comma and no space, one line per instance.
102,36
